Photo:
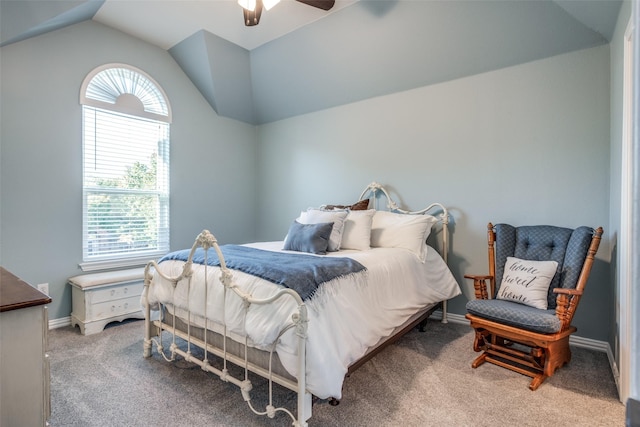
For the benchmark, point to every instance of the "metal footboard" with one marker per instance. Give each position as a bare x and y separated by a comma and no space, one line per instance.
299,319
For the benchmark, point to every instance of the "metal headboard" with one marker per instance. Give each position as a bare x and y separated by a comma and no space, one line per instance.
437,210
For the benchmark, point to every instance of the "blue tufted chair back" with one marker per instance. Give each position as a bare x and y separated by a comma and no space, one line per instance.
544,243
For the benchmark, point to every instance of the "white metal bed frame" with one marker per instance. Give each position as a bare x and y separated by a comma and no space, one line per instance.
154,328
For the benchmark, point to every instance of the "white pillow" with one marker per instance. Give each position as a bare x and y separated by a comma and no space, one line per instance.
527,282
395,230
317,216
357,230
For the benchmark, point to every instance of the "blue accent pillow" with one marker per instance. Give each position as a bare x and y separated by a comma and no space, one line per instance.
312,238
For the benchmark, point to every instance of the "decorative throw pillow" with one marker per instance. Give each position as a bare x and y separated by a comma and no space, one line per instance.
312,238
527,282
362,205
396,230
357,230
317,216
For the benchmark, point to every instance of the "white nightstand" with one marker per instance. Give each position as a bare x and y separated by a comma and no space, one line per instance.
101,298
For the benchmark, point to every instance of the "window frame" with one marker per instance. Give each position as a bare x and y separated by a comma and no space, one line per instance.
154,107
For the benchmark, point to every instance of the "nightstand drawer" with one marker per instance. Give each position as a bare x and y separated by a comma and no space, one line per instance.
116,292
118,307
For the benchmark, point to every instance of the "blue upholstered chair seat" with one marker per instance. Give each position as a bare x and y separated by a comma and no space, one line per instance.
515,314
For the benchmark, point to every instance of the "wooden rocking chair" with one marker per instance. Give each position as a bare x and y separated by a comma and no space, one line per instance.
513,329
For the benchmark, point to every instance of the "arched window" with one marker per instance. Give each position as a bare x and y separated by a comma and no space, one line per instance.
125,116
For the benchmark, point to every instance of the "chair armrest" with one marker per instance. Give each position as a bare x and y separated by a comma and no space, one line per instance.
479,285
566,303
566,291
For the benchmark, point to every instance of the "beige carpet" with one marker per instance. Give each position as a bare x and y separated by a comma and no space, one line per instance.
423,380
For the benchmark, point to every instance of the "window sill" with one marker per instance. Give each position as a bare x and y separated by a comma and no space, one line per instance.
119,263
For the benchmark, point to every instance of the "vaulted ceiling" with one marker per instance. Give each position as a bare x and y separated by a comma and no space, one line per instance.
301,59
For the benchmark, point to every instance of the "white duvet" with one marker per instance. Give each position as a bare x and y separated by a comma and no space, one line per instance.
346,316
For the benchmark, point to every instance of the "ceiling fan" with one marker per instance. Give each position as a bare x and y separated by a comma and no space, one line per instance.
252,9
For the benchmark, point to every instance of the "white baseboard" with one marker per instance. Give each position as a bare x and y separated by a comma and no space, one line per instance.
589,343
60,323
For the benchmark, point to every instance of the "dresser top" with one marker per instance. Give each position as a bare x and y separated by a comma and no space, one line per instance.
15,293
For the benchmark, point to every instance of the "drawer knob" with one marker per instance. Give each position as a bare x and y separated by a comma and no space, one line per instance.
125,290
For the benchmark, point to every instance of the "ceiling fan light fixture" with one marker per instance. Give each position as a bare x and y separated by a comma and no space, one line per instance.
252,9
252,16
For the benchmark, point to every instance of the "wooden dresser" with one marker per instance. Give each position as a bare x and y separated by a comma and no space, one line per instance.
24,362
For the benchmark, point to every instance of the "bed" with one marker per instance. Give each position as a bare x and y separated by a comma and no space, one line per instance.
345,282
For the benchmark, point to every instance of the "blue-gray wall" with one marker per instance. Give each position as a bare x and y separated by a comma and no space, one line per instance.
213,159
527,144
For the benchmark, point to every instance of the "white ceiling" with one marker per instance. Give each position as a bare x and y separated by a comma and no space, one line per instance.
166,23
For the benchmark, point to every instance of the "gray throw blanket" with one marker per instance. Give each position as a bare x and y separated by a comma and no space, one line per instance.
300,272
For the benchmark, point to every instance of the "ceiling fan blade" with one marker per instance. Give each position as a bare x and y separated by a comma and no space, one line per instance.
320,4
